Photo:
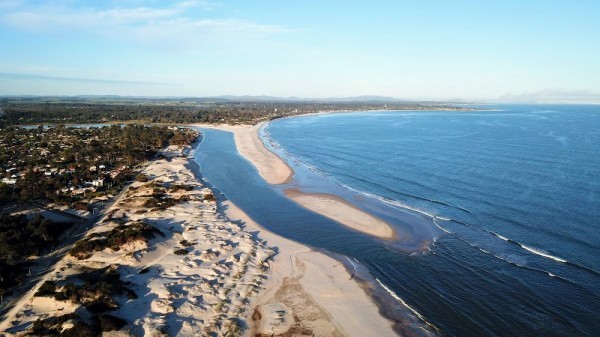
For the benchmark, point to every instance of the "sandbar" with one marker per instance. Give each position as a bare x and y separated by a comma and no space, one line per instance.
342,211
275,170
271,168
310,293
235,276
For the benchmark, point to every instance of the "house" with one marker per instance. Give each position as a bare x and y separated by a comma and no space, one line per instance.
98,182
8,181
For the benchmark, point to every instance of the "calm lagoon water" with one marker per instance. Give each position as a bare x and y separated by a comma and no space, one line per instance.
499,209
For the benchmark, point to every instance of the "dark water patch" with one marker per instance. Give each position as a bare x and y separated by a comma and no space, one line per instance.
529,174
222,166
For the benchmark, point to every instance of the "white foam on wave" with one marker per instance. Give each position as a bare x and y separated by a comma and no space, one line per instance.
393,203
399,299
440,227
535,251
351,263
514,259
501,237
542,253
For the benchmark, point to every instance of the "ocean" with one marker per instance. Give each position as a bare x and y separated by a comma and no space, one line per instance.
497,209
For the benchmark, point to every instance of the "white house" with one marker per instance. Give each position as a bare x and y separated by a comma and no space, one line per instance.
9,181
98,182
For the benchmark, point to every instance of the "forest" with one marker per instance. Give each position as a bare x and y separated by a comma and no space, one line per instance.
56,163
20,238
73,110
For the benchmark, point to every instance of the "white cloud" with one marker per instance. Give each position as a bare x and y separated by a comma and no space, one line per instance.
61,19
175,26
9,4
554,95
206,5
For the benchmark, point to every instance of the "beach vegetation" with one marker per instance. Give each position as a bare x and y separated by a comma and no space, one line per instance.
32,110
22,237
141,178
233,327
114,239
186,243
72,325
96,290
179,187
110,323
181,251
69,325
47,288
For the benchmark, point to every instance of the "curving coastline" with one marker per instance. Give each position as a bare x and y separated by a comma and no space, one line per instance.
309,291
276,171
271,168
306,289
340,210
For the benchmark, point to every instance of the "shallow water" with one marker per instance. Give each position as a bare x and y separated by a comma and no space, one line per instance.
511,199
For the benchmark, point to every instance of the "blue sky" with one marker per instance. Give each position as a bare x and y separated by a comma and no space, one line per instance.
429,49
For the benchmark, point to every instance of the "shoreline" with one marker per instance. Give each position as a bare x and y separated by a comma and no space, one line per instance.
235,278
342,211
311,288
270,166
403,322
197,274
274,170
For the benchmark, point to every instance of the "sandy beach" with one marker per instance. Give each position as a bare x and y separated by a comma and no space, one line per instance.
271,168
199,273
275,171
309,292
342,211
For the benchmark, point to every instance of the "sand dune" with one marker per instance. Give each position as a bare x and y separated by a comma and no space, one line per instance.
275,171
270,167
205,290
310,293
343,212
233,277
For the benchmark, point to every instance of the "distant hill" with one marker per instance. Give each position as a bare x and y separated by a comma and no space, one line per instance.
264,98
224,99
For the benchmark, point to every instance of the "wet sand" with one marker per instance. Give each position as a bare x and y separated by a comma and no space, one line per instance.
340,210
275,171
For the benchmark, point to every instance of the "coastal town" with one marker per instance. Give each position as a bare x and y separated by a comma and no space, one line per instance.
109,230
56,181
77,166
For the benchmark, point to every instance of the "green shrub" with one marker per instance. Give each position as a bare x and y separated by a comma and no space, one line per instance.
181,251
46,289
110,323
141,178
114,239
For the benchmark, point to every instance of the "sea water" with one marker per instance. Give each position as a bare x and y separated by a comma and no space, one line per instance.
507,202
515,191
